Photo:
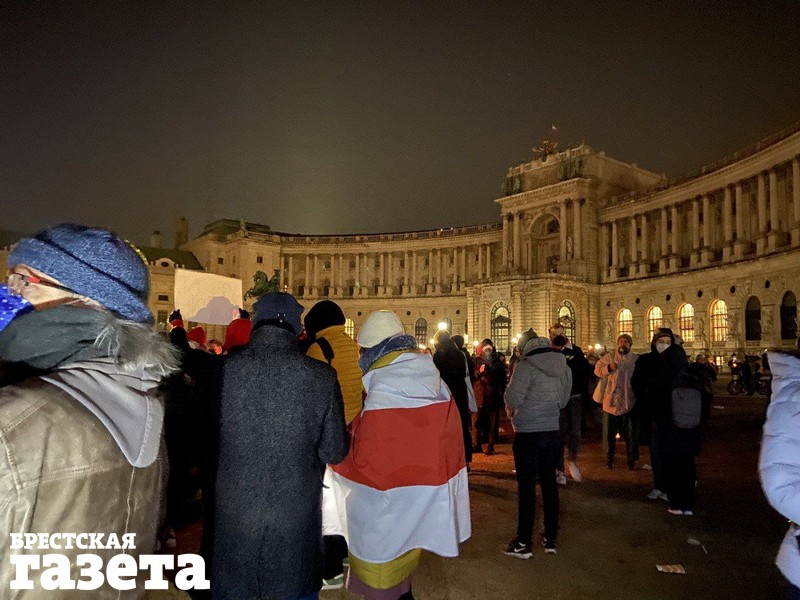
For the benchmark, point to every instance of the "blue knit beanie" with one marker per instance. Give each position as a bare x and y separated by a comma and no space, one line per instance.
279,306
91,262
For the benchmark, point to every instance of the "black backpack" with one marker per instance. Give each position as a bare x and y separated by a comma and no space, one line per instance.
687,405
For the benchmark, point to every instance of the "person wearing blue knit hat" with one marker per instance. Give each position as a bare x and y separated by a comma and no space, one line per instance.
78,402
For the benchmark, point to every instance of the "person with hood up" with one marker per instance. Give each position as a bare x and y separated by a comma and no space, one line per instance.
324,325
453,369
281,421
779,465
646,370
615,370
666,370
539,389
197,338
79,410
404,479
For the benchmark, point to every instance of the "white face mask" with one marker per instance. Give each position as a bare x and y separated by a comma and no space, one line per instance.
661,346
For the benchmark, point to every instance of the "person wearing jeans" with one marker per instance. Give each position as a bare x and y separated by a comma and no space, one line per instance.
539,389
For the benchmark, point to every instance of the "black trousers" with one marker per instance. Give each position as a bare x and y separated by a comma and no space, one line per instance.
536,458
681,474
335,548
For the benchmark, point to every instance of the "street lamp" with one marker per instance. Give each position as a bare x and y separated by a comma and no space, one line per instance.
514,341
475,344
442,326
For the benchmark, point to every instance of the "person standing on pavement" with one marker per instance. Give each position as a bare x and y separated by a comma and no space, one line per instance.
324,325
492,374
453,369
538,391
615,370
571,417
779,465
281,422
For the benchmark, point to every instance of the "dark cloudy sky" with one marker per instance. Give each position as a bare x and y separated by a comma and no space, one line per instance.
364,116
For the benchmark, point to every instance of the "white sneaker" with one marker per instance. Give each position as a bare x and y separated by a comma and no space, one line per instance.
574,471
561,479
663,497
646,467
675,511
654,495
688,513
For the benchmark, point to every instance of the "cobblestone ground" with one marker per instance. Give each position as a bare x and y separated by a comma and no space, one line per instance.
611,538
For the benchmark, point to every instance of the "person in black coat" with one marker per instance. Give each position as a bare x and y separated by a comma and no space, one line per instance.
494,377
453,369
572,414
281,421
654,379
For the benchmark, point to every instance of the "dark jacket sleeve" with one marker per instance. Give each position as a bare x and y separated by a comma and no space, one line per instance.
334,443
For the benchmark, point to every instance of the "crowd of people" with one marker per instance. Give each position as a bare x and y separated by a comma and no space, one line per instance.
322,461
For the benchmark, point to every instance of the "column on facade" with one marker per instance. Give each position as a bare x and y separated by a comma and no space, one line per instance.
308,277
315,285
506,225
727,227
562,229
663,241
738,246
632,246
576,235
762,214
281,276
480,261
357,277
438,269
517,240
406,273
706,254
382,273
644,262
605,242
614,250
290,274
695,256
774,218
413,272
674,258
464,277
488,261
529,253
796,201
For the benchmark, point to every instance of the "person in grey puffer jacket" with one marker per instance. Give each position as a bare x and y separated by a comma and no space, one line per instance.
539,389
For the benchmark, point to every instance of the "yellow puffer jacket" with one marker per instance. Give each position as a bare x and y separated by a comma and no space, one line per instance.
345,361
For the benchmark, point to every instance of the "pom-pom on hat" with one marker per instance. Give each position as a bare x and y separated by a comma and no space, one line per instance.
380,325
91,262
279,306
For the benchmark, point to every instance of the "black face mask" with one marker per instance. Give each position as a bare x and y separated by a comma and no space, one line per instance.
559,341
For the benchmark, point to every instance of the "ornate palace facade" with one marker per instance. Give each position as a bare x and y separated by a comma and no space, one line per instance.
608,247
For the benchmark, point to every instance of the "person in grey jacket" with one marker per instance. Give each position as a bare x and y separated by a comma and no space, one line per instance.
539,389
281,421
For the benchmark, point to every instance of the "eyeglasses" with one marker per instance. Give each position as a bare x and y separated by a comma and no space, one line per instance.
18,282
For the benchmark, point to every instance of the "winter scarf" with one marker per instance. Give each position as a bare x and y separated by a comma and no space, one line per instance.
52,338
400,342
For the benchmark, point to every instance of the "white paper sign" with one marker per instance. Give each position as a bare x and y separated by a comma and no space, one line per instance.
207,298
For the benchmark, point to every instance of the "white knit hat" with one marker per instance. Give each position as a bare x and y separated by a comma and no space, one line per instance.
380,325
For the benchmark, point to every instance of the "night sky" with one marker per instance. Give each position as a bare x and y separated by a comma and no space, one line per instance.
342,117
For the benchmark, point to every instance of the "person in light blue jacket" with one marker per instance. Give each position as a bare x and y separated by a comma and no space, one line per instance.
779,465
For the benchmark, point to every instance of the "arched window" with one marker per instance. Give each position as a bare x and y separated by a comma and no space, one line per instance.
789,316
686,322
553,226
624,322
719,321
752,320
501,327
350,328
566,316
655,320
421,331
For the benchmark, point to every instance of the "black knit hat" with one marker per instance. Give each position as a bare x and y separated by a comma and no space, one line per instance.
322,315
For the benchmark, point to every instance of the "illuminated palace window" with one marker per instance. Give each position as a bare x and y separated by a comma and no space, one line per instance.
350,328
501,327
421,331
566,316
789,316
752,320
655,320
719,321
624,322
686,322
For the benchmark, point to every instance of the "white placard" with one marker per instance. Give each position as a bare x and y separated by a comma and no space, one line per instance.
207,298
